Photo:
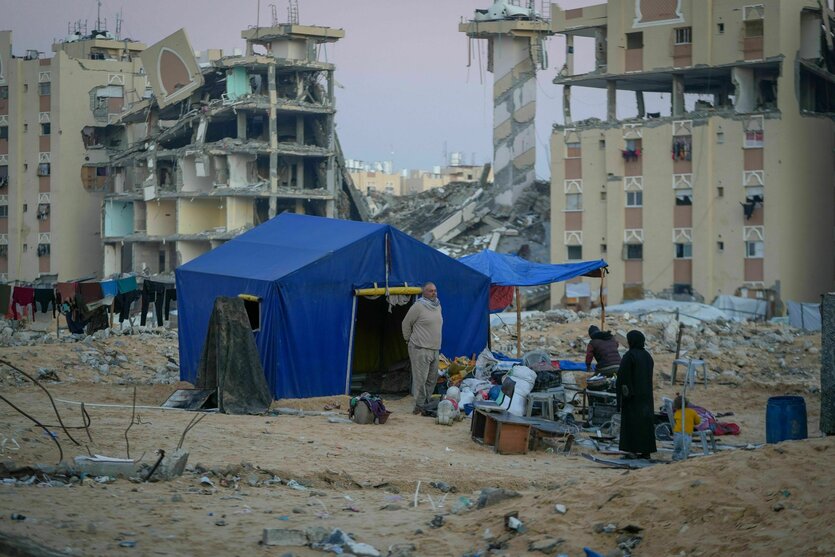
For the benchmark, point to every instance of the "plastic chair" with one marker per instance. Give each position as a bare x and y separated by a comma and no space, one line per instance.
547,404
691,365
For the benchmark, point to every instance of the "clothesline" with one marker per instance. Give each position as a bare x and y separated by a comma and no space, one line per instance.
86,297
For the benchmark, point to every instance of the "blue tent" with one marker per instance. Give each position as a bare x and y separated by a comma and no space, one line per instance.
304,271
512,270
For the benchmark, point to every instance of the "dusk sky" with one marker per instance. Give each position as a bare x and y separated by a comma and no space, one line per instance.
405,90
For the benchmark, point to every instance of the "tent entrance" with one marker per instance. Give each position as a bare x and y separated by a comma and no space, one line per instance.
380,362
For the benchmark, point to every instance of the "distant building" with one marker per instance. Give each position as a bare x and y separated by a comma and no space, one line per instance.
730,192
51,187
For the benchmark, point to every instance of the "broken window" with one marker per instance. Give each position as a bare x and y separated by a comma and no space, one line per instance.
4,211
684,196
684,35
684,250
4,176
43,169
633,251
753,28
754,194
46,128
4,250
634,199
574,202
45,89
4,92
43,250
634,41
4,132
575,253
754,250
43,211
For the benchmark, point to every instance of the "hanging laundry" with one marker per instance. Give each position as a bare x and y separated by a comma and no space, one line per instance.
109,288
500,297
23,296
161,293
126,285
66,291
45,297
123,302
90,292
5,298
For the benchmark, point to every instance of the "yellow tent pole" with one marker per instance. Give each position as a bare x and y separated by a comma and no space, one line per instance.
398,290
518,324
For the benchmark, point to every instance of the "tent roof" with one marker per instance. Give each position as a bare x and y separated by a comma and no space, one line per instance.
512,270
281,246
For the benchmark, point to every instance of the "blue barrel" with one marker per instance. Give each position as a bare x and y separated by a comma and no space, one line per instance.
785,418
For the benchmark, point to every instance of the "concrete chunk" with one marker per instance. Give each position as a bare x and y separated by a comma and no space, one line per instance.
285,537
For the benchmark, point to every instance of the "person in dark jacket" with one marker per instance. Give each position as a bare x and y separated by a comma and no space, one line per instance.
604,348
635,403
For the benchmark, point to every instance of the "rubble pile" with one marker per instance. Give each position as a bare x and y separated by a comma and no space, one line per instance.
736,352
121,356
462,218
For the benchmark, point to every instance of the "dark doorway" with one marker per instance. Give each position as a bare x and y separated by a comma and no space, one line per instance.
380,357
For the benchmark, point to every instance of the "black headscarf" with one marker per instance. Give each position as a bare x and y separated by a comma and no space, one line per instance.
636,339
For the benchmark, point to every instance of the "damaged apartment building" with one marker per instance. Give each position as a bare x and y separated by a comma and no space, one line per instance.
51,187
222,146
710,168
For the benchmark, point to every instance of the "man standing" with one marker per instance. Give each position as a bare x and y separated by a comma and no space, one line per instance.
422,330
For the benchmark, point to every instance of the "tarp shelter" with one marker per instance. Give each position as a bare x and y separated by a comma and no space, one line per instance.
303,271
511,271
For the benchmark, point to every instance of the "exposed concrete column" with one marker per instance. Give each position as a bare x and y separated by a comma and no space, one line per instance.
300,207
271,86
241,125
566,104
300,173
300,129
639,97
611,100
827,422
331,97
569,54
678,95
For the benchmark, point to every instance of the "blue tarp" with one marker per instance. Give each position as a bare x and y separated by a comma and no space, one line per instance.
305,269
511,270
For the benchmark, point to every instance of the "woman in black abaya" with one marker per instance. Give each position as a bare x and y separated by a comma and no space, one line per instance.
634,391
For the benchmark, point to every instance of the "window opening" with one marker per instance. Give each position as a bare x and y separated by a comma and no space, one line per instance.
684,35
684,251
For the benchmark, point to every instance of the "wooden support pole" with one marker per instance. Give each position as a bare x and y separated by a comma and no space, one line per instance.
518,324
602,301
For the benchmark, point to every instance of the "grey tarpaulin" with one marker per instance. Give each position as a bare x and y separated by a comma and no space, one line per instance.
230,361
805,316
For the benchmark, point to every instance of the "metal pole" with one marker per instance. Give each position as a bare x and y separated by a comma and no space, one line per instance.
518,324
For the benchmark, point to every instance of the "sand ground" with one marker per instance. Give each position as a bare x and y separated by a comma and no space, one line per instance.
772,500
